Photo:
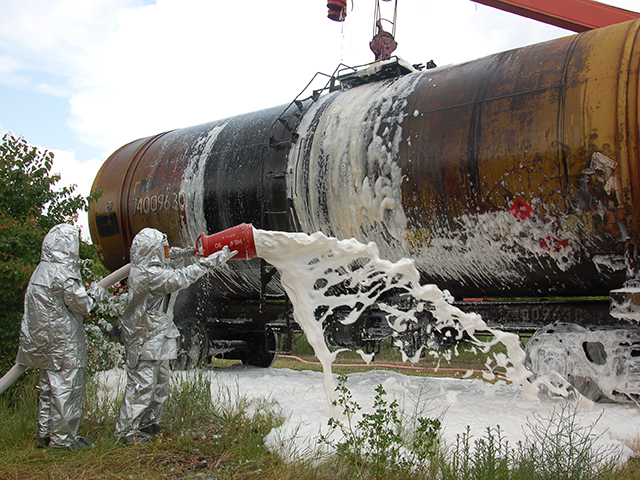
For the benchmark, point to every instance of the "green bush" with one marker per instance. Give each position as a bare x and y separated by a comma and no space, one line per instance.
30,206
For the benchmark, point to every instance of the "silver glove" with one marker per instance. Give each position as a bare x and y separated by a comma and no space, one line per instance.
176,253
97,292
219,258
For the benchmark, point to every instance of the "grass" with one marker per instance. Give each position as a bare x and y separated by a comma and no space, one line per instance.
223,439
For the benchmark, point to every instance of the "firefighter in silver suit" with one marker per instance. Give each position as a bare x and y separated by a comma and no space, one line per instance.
149,333
52,336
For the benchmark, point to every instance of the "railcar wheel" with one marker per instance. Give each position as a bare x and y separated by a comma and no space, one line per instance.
261,350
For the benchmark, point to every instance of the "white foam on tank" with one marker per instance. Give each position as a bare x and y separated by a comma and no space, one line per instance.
355,143
192,187
321,273
609,263
490,248
348,183
624,303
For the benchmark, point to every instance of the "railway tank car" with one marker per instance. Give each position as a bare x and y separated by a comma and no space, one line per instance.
513,177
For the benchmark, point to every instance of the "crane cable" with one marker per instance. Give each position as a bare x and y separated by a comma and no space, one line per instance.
377,18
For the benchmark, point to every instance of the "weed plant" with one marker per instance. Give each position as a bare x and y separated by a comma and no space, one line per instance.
379,445
18,410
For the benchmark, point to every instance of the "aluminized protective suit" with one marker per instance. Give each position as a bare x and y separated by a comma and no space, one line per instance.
149,333
52,337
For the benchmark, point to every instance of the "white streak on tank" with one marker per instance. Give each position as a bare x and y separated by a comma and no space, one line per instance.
356,141
193,187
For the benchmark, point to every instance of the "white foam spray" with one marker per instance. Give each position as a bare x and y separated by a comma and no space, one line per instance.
321,274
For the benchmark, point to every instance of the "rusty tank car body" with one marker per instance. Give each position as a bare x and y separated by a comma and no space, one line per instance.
512,177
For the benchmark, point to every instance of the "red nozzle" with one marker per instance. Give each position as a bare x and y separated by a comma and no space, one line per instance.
238,238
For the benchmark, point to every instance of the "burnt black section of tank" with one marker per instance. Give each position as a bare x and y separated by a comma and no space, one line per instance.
486,78
234,168
107,225
188,143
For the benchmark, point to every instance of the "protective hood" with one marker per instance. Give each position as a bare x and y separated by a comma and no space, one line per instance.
61,245
147,247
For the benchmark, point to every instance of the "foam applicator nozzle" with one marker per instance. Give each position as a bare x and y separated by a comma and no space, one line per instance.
238,238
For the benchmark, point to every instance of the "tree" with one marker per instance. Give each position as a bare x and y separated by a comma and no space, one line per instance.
29,207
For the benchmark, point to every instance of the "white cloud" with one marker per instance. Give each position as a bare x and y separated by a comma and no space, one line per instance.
80,174
182,63
51,31
132,70
177,64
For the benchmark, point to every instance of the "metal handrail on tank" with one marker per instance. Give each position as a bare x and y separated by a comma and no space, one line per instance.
329,86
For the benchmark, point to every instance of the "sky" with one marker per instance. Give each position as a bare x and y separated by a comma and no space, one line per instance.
459,403
82,78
